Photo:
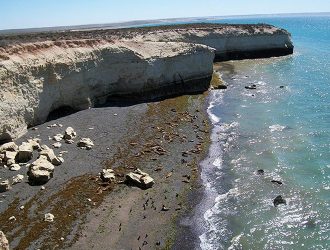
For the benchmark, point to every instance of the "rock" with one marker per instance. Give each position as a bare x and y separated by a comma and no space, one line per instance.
10,157
57,145
49,153
14,167
260,172
12,218
252,86
140,179
58,137
165,208
49,217
17,179
277,182
85,143
4,186
107,175
10,146
279,200
21,207
40,171
281,87
69,141
4,244
25,152
221,86
34,143
69,134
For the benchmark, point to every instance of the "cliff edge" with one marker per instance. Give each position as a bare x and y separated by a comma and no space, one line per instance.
43,72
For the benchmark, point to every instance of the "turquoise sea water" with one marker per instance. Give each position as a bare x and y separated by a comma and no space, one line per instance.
283,130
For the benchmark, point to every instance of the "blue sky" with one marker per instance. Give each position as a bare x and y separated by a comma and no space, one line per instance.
44,13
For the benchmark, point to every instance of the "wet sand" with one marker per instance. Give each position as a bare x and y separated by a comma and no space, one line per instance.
91,215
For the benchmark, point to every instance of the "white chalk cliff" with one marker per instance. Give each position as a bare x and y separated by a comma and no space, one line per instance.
83,69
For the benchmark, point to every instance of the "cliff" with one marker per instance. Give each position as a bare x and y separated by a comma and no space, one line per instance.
43,72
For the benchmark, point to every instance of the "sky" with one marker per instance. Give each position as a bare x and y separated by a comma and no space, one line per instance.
48,13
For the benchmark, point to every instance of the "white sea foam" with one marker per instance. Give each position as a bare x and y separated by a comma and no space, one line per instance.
276,128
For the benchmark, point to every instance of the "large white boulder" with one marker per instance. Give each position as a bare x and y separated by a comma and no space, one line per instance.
40,171
25,152
4,244
51,157
140,179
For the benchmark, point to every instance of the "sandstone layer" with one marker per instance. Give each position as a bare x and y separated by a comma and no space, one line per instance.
43,72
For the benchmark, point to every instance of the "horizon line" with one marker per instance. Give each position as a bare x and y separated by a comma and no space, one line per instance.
147,21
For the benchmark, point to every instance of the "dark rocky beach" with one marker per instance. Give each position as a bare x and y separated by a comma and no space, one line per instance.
90,214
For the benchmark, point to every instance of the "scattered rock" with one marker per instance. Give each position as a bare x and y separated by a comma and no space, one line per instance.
25,152
221,86
18,179
34,143
69,134
277,182
165,208
107,175
69,141
279,200
10,146
12,218
58,137
252,86
140,179
49,217
15,167
21,207
260,172
10,157
42,188
40,171
85,143
49,153
4,186
4,244
57,145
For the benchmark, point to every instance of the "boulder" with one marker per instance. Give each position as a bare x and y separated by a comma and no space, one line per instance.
49,153
15,167
4,186
10,157
49,217
221,86
57,145
279,200
85,143
252,86
10,146
69,134
34,143
18,179
4,244
140,179
25,152
40,171
107,175
58,137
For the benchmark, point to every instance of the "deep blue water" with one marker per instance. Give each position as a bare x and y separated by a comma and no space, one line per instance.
284,131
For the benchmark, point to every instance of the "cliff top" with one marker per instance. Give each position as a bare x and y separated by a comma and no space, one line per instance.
129,33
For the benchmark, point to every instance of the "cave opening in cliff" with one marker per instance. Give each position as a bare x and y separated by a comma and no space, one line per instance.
61,112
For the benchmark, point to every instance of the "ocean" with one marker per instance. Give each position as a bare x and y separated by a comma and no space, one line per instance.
283,128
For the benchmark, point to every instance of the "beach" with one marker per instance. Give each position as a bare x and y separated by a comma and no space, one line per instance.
121,216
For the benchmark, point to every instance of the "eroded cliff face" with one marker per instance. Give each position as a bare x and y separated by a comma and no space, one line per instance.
40,73
35,84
